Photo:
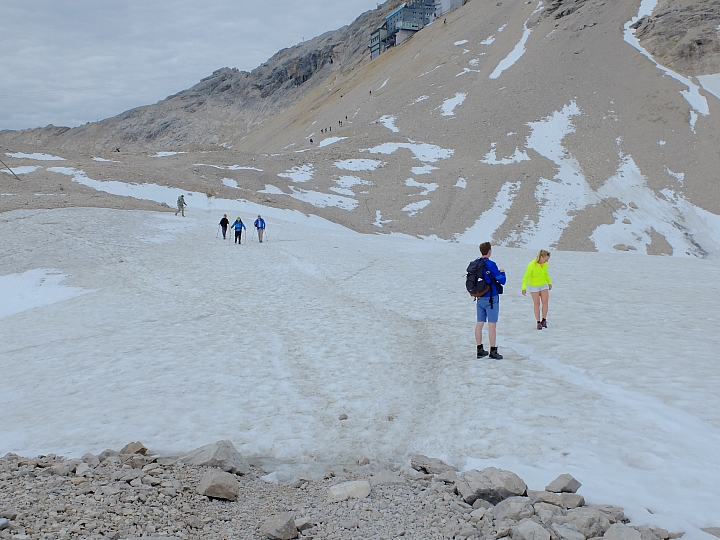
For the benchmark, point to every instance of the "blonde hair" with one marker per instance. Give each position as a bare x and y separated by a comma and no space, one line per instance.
543,253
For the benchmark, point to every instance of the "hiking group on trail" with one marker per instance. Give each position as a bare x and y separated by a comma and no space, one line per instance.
484,281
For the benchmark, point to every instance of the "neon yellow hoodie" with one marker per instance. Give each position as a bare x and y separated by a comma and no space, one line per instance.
536,275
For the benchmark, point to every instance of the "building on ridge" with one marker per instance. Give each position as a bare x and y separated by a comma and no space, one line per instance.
409,18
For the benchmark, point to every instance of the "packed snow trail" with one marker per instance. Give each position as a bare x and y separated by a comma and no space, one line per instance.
182,339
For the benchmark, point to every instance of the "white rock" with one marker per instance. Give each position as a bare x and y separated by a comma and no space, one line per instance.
514,508
385,478
527,529
429,465
219,484
279,527
618,531
220,454
564,483
358,489
490,484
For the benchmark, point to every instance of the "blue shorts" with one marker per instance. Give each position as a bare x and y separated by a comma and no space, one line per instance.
484,313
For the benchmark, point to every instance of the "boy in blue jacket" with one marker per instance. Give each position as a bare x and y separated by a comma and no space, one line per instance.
488,305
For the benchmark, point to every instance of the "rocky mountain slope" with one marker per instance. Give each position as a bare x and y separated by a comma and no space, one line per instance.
577,124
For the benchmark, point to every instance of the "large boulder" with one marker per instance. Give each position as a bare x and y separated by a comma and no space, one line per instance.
279,527
527,529
133,448
220,485
564,483
222,455
386,478
429,465
618,531
490,484
358,489
590,522
513,508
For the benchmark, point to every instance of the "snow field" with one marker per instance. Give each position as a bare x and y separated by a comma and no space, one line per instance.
191,339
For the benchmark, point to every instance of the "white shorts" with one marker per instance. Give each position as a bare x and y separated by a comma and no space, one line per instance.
538,288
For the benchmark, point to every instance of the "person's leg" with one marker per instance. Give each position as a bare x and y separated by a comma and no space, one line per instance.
536,305
492,333
260,234
544,297
240,237
478,333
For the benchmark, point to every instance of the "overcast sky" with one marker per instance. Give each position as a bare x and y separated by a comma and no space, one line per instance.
67,62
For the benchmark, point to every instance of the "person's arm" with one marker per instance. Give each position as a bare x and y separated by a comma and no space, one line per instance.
526,277
547,275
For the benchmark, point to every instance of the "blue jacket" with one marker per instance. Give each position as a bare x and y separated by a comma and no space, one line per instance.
491,267
238,226
260,223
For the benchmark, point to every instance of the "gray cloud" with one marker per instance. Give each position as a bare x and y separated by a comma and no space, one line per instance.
67,62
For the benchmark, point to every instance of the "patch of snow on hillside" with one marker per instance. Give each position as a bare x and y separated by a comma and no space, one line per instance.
350,181
379,221
243,168
25,169
166,154
410,182
491,158
449,104
343,191
229,182
321,200
514,56
502,27
421,98
467,70
213,166
106,160
491,219
692,95
568,191
33,289
300,173
383,84
672,216
428,72
35,156
461,183
711,83
474,62
488,41
425,152
330,140
680,177
272,190
359,164
389,122
425,169
413,208
463,42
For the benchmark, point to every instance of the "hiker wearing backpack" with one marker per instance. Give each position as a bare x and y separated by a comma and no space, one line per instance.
224,222
181,204
537,281
260,226
484,282
238,226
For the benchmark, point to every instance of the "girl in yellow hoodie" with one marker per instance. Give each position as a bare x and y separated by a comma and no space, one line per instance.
537,280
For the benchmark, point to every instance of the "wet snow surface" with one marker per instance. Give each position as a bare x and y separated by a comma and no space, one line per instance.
150,328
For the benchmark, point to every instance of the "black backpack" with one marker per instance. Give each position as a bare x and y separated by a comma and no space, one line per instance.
477,280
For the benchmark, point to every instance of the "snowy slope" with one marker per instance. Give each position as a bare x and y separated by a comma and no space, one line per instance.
163,333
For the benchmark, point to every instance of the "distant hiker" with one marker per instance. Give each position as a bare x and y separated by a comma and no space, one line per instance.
537,281
181,204
238,226
260,226
311,141
346,117
116,150
224,222
444,21
488,305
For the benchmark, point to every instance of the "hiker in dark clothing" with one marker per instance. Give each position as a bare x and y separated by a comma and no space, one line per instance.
224,222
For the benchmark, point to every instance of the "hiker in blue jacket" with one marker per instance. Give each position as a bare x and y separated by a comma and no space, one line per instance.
260,226
488,305
238,226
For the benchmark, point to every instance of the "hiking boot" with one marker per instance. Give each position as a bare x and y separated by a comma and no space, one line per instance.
544,323
494,354
539,326
481,352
